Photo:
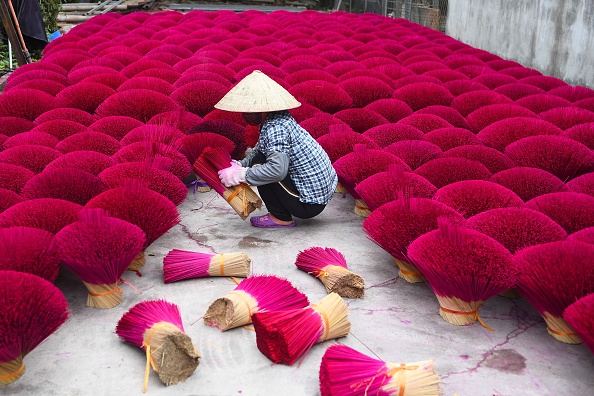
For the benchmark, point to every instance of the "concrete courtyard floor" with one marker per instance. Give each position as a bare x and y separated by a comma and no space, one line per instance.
395,321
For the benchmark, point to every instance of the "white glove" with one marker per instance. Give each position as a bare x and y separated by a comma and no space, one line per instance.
233,175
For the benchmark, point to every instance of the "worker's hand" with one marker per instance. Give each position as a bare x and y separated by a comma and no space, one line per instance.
233,175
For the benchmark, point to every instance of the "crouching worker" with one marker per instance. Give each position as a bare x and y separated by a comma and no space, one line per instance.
294,175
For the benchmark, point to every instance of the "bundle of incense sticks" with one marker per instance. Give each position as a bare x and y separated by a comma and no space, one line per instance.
345,371
242,198
329,265
183,264
285,336
156,327
254,294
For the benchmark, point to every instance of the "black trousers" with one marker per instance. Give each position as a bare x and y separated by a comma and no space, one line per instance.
282,199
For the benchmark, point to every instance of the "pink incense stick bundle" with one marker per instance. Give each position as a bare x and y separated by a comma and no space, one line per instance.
393,227
49,214
8,198
69,184
285,336
241,198
385,187
183,264
345,371
329,265
31,309
28,249
357,166
156,326
145,208
464,268
159,180
98,249
580,316
552,277
259,293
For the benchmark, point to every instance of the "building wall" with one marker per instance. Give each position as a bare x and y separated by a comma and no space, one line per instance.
553,36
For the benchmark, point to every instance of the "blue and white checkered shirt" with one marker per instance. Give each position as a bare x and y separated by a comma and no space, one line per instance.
309,165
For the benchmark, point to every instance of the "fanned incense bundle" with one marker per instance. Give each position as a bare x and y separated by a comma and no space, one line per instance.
329,265
28,249
31,309
254,294
580,316
183,264
98,249
156,327
136,204
464,268
242,198
552,277
362,163
284,336
345,371
394,225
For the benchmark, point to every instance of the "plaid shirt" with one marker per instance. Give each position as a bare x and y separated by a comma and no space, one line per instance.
309,165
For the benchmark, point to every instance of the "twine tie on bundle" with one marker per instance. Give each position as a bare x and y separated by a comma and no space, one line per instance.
321,312
14,374
150,362
563,333
474,313
117,289
401,376
390,373
221,265
406,272
240,189
198,183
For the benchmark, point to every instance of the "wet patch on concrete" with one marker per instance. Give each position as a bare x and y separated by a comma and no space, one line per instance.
507,360
248,242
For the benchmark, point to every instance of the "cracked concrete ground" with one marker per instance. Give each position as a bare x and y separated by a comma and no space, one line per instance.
395,321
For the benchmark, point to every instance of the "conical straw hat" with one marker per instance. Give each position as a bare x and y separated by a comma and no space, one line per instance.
257,93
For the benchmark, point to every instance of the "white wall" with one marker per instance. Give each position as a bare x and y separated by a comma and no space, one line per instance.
553,36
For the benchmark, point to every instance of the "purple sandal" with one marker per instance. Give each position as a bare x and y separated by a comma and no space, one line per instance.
266,222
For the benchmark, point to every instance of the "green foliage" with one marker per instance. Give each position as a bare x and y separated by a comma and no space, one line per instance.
49,12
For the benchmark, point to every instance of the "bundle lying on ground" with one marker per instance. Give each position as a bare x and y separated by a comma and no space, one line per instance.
357,166
464,268
284,336
329,265
98,249
259,293
31,309
345,371
28,249
183,264
156,326
241,198
395,225
145,208
552,277
580,316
